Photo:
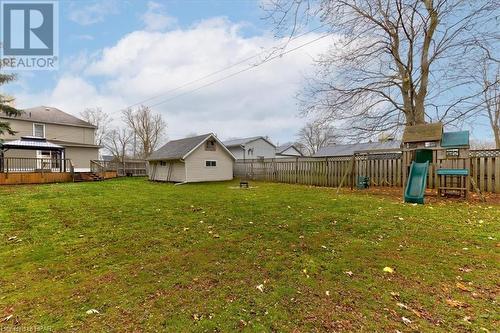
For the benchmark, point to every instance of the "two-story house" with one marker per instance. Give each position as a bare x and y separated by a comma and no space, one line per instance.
75,135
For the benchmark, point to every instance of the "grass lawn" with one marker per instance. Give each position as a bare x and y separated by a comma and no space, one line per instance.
276,258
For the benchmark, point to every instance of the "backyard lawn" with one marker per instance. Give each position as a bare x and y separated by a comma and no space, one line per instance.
130,255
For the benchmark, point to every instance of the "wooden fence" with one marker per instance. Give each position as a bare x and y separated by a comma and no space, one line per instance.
383,170
126,168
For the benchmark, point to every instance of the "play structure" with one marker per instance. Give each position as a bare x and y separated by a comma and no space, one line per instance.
431,155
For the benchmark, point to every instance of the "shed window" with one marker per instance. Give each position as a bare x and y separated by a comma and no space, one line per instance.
163,163
210,145
39,130
210,163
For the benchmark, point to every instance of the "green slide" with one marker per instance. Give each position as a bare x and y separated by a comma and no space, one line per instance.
415,187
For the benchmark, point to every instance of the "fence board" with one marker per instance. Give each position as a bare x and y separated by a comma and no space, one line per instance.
484,168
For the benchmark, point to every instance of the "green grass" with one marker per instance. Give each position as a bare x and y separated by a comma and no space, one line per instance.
157,257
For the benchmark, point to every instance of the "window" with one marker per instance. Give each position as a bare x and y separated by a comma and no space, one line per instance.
452,153
163,163
430,144
210,145
39,130
210,163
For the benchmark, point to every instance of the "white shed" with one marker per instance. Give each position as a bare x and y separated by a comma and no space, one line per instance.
201,158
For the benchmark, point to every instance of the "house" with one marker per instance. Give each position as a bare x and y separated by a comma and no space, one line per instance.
347,150
288,150
70,137
251,148
200,158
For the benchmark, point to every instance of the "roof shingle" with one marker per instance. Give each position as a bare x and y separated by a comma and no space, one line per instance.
177,149
45,114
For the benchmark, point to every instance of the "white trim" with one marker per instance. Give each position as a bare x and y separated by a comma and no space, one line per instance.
210,166
43,125
203,141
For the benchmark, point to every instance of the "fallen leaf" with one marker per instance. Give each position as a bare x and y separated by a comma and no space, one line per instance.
327,293
463,287
401,305
456,304
349,273
92,311
406,321
7,318
388,269
260,287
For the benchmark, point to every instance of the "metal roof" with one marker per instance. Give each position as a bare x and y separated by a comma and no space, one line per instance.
29,142
243,141
350,149
47,114
455,139
180,149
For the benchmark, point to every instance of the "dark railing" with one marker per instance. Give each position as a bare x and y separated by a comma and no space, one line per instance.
125,168
26,164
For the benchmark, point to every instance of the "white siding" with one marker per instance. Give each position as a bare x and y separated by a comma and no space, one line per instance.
197,171
260,148
237,152
173,171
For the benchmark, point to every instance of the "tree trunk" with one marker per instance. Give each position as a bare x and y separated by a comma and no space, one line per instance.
496,133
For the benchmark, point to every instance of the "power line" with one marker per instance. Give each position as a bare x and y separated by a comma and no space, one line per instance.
238,72
225,68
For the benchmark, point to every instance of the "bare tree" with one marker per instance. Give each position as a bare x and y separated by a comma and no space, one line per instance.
99,119
118,142
149,128
394,62
491,95
315,135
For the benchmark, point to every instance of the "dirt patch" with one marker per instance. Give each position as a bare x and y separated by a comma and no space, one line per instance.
431,196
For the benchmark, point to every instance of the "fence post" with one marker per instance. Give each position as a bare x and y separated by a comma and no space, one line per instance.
327,172
296,170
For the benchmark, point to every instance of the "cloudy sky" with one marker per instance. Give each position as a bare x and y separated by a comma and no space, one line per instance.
120,53
114,54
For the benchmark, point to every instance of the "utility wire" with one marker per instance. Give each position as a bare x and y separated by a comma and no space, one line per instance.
224,69
238,72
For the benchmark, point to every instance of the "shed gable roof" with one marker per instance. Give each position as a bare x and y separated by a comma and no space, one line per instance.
180,149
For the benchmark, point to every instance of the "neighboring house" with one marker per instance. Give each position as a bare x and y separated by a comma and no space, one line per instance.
76,136
251,148
288,150
197,159
343,150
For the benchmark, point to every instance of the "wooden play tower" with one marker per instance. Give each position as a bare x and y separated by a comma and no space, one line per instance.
435,158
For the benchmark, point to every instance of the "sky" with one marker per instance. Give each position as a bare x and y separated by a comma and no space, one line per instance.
119,53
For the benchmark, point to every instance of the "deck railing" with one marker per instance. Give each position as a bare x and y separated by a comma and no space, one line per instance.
27,164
